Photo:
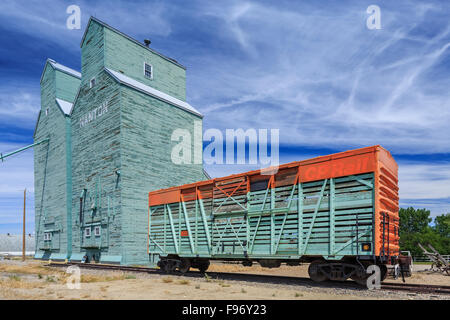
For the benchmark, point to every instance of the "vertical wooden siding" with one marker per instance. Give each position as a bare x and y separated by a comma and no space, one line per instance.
92,53
51,160
95,161
286,222
147,126
123,55
117,157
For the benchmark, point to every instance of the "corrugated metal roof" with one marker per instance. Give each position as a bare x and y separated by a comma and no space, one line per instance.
123,79
61,68
64,105
65,69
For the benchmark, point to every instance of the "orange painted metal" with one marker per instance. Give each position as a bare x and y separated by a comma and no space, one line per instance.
340,167
169,196
386,202
184,233
373,159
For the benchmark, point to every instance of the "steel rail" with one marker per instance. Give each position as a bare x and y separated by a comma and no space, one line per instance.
410,287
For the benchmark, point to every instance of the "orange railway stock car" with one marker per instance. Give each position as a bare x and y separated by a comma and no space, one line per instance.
337,212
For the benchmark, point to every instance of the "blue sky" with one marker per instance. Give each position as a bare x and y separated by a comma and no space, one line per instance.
309,68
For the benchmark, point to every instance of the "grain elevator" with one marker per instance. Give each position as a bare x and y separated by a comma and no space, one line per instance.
109,131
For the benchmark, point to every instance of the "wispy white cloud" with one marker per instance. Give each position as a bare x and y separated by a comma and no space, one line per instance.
313,70
46,19
323,79
18,108
421,185
424,181
340,83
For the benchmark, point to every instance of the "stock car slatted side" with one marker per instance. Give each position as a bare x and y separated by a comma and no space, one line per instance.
260,232
282,215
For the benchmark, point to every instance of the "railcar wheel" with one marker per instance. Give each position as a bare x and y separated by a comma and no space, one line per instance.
203,266
359,280
185,265
314,271
360,276
162,264
167,266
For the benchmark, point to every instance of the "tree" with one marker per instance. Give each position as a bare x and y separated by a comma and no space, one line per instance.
415,229
442,225
414,220
442,228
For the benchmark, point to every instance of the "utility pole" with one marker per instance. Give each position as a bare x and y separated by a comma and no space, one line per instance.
23,236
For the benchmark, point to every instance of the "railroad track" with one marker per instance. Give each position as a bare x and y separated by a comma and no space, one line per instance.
416,288
262,278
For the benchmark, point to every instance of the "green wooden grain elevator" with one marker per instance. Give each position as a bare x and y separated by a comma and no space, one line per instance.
109,132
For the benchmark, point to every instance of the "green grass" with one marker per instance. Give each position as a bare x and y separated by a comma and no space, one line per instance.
14,277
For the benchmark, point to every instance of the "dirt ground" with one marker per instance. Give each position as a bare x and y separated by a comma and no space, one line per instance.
420,274
32,280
